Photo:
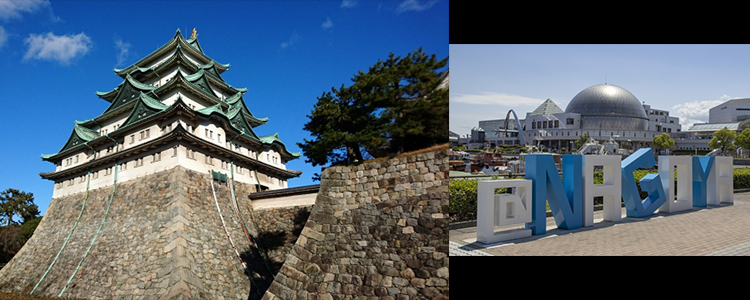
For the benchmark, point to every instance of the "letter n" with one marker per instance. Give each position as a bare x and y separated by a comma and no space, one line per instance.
565,197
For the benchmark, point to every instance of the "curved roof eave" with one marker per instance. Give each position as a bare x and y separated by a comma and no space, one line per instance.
274,140
177,40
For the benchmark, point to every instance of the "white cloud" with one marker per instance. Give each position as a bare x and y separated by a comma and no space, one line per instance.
123,51
492,98
61,48
13,9
348,3
327,24
292,40
3,36
415,5
696,111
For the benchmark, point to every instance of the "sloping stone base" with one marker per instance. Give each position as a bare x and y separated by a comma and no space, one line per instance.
162,239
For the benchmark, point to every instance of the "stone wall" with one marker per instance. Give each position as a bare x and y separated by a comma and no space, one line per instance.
162,239
378,230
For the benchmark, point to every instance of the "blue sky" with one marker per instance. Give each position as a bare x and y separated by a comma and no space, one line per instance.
687,80
56,56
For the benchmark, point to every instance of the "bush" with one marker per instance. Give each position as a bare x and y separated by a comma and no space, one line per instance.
462,198
27,229
742,178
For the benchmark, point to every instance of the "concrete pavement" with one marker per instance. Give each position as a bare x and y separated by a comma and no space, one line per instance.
714,230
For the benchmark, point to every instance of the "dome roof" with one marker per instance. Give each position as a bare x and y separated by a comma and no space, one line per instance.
608,106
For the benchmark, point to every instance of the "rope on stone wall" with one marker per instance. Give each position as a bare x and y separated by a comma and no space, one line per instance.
83,206
250,238
114,188
223,224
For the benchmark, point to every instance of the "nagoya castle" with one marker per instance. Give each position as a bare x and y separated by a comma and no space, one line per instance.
171,109
171,194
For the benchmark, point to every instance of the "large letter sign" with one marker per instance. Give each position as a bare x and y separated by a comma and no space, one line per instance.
565,198
702,181
635,207
503,209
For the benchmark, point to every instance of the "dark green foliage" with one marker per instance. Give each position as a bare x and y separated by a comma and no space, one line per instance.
27,229
395,107
16,203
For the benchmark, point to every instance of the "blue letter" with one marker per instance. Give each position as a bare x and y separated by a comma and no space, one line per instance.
565,198
635,207
702,167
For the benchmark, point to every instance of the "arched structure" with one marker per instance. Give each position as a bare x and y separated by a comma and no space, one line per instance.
518,125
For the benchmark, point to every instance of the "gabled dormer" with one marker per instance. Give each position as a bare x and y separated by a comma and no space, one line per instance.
125,93
237,107
144,108
77,138
273,141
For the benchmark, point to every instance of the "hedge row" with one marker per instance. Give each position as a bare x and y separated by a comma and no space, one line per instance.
463,192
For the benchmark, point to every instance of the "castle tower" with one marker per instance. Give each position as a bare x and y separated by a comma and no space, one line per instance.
172,108
150,197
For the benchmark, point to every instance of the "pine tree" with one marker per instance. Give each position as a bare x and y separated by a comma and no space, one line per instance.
397,106
14,202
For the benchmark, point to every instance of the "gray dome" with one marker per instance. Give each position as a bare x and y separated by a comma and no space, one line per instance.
608,106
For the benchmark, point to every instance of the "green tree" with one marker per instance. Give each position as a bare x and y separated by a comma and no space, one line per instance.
17,203
663,141
723,139
397,106
743,139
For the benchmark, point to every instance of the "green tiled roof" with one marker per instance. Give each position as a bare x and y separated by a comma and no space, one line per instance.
177,41
144,108
274,138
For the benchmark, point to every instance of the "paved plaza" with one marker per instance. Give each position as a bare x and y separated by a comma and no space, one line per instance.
712,231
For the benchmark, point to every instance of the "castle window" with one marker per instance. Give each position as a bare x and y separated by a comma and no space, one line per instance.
174,151
156,157
132,138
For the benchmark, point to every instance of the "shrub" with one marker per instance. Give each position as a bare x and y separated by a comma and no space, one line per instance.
463,198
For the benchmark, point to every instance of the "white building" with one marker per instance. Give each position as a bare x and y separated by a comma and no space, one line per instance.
602,111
